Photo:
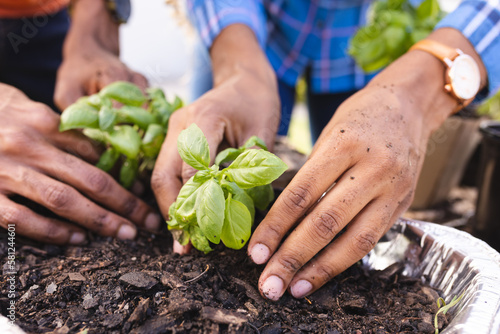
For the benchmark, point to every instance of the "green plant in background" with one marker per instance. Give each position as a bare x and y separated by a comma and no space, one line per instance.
444,308
219,204
491,107
393,27
132,134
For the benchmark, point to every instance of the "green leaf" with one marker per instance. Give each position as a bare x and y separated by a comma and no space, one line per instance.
237,224
177,104
210,210
428,9
96,135
155,93
182,236
262,196
395,40
201,176
79,115
124,92
136,115
128,173
126,140
193,147
240,195
255,168
186,201
199,240
107,118
152,140
418,35
255,141
227,155
108,159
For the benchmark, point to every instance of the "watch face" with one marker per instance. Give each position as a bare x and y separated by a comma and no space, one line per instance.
464,77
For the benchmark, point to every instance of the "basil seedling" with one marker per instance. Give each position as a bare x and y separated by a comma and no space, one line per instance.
393,27
218,204
132,134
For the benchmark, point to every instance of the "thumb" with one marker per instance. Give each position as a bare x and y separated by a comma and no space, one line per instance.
67,92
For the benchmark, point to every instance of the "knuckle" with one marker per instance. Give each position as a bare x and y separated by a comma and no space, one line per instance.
13,140
130,206
325,274
57,197
365,241
10,215
290,263
100,224
157,181
98,182
297,198
327,224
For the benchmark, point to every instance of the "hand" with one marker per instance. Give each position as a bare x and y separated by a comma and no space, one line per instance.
370,155
243,103
91,55
54,170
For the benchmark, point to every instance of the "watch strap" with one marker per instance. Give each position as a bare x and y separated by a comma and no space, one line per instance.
436,49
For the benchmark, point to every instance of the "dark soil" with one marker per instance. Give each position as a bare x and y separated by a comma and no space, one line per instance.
111,286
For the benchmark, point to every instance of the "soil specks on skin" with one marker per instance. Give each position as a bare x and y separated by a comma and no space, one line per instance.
111,293
352,177
367,149
342,130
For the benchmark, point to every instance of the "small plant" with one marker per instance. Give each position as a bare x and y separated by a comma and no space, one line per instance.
219,204
132,134
393,27
491,107
444,308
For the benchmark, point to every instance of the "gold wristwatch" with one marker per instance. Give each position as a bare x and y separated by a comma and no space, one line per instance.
462,77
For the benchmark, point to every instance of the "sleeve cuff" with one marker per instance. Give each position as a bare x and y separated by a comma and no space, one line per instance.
479,21
211,16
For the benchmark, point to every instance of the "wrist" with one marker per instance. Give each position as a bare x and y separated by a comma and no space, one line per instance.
92,28
236,52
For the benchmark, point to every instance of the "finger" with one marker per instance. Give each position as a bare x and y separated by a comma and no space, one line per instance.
313,179
180,249
139,79
68,203
166,177
97,185
359,238
67,91
34,226
110,74
213,130
337,208
77,144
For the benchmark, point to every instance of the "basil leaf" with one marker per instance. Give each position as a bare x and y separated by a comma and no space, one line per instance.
428,9
255,168
136,115
107,118
193,147
255,141
186,200
262,196
124,92
202,176
108,159
227,155
177,104
240,195
96,135
198,240
128,173
182,236
210,210
237,224
126,140
395,39
79,115
152,140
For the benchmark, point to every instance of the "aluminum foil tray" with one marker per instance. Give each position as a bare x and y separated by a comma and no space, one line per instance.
450,260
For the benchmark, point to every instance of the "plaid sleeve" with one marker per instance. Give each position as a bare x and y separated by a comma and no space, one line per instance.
479,21
211,16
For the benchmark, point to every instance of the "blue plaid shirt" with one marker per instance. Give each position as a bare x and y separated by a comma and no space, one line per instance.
297,34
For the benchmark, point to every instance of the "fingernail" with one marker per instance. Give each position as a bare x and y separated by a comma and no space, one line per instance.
301,288
273,288
152,222
259,253
77,238
126,232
